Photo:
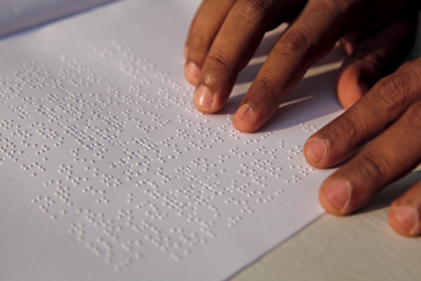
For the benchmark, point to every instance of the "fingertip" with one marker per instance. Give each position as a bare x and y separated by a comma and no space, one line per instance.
203,99
192,73
186,51
245,113
244,119
326,204
335,197
405,220
315,151
244,127
350,88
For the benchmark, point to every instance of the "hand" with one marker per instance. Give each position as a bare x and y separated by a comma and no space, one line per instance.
391,110
375,34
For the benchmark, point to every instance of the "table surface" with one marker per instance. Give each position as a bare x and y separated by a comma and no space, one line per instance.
358,247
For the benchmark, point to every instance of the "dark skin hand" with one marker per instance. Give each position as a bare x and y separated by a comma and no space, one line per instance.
376,35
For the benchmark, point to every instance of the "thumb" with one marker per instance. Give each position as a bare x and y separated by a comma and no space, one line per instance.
373,57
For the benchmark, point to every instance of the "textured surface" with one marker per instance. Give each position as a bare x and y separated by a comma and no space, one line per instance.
358,247
98,133
361,246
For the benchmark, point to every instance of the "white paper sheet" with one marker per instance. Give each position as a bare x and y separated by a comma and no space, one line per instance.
16,15
109,173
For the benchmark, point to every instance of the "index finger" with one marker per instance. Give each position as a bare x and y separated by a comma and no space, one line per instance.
233,47
203,30
314,33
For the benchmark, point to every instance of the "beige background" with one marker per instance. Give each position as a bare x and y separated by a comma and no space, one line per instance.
358,247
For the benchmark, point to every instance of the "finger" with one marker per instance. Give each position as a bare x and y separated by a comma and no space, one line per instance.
387,158
370,116
374,57
205,25
405,212
234,46
313,34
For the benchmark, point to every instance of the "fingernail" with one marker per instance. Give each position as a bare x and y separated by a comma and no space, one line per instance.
203,97
245,113
363,87
317,149
339,194
407,216
192,72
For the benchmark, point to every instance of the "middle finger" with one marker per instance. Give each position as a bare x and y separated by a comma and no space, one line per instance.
234,46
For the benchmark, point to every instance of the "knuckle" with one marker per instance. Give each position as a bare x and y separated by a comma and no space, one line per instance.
393,93
263,90
347,129
351,128
216,62
252,10
198,48
291,42
375,167
374,63
198,40
414,116
262,84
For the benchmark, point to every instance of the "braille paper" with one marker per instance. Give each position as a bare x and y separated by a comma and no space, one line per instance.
16,15
108,172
